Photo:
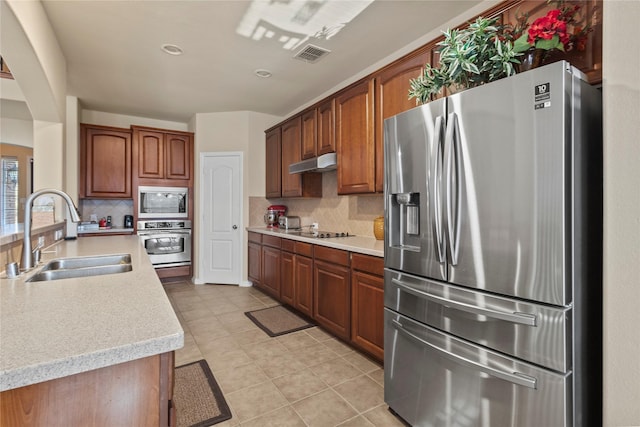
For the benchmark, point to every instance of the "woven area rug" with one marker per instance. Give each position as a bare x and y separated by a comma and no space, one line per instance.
278,320
197,397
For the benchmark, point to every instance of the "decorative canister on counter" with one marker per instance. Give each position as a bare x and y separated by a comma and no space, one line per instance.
378,228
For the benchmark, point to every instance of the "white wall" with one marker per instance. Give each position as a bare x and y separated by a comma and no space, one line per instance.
29,45
124,121
232,131
621,281
16,131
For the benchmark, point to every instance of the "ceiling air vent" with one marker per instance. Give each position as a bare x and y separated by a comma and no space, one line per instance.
311,53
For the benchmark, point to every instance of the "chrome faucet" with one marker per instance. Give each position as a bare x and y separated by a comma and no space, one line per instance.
27,257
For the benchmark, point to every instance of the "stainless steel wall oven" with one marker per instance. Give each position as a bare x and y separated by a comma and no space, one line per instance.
168,243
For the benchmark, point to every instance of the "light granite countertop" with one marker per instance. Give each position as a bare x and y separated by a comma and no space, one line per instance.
53,329
358,244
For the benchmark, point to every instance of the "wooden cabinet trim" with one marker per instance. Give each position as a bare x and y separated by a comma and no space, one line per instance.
337,256
255,237
367,263
274,242
303,248
287,245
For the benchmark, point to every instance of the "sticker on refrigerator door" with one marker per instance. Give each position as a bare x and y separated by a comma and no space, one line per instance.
542,96
543,92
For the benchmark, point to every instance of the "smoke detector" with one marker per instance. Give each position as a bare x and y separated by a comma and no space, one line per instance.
311,53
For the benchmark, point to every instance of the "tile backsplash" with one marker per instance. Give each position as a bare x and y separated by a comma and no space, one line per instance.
103,207
354,214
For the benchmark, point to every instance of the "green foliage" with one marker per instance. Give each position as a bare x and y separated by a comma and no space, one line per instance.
469,57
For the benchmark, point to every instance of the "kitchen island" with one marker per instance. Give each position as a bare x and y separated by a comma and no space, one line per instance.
87,332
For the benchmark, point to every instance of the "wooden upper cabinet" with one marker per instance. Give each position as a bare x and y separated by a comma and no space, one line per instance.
291,145
309,134
162,155
355,139
105,162
178,151
392,97
150,154
326,127
273,164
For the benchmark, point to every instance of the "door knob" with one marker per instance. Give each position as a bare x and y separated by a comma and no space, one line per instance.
235,227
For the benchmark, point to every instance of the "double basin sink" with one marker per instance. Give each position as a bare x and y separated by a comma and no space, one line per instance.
67,268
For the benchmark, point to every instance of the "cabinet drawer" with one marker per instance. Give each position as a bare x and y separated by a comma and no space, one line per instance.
271,241
305,249
368,263
332,255
288,245
255,237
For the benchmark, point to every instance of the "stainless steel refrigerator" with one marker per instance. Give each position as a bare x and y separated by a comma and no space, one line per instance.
493,253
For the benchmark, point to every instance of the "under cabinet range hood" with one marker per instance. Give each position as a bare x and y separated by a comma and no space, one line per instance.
323,163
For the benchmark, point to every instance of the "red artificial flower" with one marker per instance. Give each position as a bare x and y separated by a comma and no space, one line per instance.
547,27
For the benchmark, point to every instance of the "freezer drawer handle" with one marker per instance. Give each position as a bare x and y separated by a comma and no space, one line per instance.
514,317
512,377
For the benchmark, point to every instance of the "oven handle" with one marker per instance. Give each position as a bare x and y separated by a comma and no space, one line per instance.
512,377
163,233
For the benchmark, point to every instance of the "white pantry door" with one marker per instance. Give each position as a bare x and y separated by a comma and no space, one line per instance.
221,227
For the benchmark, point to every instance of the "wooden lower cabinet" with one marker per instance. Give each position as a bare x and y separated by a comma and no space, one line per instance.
332,297
367,304
271,265
255,263
135,393
303,282
287,277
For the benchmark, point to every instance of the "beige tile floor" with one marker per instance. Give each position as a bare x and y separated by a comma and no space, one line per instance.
306,378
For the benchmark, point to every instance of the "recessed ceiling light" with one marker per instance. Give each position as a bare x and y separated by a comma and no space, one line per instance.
171,49
260,72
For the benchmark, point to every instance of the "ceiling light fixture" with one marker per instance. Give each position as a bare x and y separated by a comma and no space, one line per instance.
261,72
171,49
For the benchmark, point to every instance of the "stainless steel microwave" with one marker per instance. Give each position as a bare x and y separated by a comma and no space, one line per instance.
163,202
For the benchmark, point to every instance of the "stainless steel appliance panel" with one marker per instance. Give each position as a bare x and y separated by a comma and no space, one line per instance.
167,248
441,380
533,332
413,157
507,186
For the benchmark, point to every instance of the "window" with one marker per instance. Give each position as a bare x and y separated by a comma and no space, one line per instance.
9,191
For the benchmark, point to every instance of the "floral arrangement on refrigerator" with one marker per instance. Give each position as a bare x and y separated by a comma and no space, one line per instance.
485,50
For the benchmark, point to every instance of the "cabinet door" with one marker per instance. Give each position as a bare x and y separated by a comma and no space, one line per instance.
178,150
255,263
355,139
273,161
326,127
271,271
291,134
287,278
392,97
367,312
105,162
332,297
150,154
309,134
303,279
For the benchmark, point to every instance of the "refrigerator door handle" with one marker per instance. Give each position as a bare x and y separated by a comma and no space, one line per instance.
513,317
452,158
434,192
512,377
